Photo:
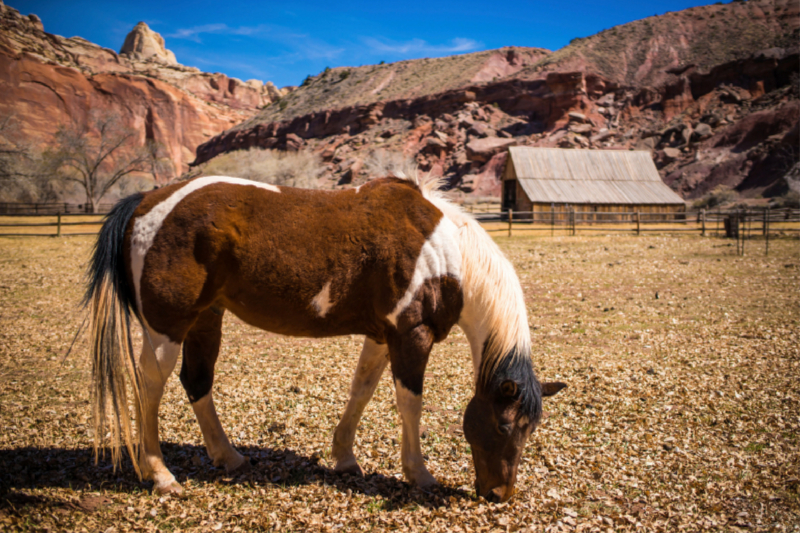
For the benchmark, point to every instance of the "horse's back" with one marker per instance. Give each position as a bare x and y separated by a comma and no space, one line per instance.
293,261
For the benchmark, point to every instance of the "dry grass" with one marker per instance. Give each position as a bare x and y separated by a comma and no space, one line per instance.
682,410
291,169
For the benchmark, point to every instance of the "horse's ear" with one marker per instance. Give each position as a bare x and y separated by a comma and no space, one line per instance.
509,388
552,387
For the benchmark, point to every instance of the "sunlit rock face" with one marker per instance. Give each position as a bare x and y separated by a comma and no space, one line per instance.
144,44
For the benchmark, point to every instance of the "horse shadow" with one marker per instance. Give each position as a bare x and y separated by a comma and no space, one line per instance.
35,467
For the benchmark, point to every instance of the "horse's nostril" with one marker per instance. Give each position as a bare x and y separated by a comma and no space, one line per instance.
495,495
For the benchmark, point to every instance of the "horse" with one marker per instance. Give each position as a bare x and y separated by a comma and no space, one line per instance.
392,260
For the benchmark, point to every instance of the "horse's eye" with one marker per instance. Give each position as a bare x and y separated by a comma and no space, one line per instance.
505,429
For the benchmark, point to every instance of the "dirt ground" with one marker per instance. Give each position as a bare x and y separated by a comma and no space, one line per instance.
682,412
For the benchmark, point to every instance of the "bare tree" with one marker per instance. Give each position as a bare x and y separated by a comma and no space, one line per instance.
96,155
20,168
158,164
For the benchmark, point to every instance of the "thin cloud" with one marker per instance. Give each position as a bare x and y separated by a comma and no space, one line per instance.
420,46
193,33
301,45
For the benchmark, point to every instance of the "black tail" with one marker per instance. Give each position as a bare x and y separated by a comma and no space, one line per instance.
108,257
112,299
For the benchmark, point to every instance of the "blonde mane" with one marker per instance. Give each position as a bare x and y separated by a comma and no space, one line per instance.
493,297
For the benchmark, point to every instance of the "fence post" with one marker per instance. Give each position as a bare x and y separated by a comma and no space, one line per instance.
572,219
58,232
552,218
703,220
638,224
510,216
766,230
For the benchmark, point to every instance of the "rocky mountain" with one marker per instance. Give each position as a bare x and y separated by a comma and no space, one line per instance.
650,51
344,86
711,91
47,80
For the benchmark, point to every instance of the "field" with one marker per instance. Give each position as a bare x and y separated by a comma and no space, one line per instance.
682,412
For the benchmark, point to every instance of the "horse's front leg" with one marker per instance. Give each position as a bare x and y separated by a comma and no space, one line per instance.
371,364
409,356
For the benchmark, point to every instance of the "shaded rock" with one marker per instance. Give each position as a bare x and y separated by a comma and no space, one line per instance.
352,171
702,131
580,128
434,144
484,149
670,154
602,135
36,22
293,142
574,116
606,100
480,129
648,143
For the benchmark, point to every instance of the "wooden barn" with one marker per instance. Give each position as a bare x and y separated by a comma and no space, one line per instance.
598,181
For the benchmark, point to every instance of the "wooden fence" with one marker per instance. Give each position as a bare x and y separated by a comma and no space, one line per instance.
740,224
57,225
50,208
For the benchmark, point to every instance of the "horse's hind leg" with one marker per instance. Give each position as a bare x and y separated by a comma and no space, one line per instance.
200,351
159,355
371,364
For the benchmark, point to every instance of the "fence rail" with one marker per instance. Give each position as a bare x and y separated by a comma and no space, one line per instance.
51,208
61,223
734,223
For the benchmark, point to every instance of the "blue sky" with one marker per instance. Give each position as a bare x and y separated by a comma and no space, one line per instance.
283,42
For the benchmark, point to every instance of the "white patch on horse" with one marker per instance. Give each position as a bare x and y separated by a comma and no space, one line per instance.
322,301
146,227
439,256
358,189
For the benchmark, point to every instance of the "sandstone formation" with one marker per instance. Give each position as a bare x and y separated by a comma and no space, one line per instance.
47,80
143,44
730,121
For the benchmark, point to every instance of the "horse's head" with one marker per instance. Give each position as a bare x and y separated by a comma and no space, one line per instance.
499,419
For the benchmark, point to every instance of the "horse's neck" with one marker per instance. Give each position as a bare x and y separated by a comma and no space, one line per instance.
477,331
494,317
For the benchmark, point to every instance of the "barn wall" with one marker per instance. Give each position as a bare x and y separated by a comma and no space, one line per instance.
562,211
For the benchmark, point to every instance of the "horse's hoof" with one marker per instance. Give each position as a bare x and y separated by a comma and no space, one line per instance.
424,480
428,484
173,489
245,466
351,468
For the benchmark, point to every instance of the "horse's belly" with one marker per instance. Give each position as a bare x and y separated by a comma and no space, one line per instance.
290,317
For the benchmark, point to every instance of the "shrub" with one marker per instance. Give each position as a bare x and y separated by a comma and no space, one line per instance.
383,162
344,75
293,169
791,200
719,195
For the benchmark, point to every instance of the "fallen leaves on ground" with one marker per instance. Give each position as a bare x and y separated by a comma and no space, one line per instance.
681,413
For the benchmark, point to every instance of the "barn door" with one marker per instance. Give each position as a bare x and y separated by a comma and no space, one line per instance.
509,194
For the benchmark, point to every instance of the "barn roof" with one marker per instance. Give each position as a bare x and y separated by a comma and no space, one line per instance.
555,175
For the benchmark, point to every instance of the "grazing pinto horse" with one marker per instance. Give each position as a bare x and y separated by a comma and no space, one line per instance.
390,260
